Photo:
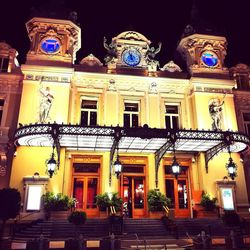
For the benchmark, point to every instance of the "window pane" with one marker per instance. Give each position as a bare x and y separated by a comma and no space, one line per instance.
131,107
175,122
93,118
182,194
247,128
89,104
4,63
246,116
1,114
170,192
1,103
126,120
84,118
171,109
135,120
78,192
167,122
138,193
92,192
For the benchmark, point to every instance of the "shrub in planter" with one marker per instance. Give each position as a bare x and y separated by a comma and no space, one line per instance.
77,218
207,202
231,218
103,201
57,202
156,200
116,202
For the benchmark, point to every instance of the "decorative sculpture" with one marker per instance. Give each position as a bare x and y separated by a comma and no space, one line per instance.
215,110
151,52
111,49
45,104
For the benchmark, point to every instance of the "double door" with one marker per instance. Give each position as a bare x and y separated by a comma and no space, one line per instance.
85,189
177,191
133,195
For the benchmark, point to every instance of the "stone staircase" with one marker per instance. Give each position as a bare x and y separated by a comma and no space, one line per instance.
132,229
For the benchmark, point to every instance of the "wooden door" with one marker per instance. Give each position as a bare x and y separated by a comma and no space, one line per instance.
134,195
85,189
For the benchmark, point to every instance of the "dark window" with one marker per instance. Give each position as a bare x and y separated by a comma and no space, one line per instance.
133,168
246,118
86,167
89,113
1,109
131,114
242,81
172,116
4,63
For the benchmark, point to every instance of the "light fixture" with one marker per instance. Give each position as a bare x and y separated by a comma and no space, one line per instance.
117,167
51,164
117,163
231,166
176,168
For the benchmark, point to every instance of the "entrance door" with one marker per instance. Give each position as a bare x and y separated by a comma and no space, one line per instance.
177,191
133,195
85,191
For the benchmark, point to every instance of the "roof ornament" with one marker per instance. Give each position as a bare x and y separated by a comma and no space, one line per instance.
111,51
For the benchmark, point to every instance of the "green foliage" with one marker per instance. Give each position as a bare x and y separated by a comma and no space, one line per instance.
207,202
57,202
103,201
231,218
156,200
116,201
10,200
77,218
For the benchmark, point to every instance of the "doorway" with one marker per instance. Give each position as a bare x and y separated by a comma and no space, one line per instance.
177,191
85,189
133,196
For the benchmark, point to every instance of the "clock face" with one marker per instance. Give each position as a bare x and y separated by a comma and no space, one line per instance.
50,45
210,59
131,57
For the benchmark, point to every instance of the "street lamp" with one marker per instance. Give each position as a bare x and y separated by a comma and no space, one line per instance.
51,164
176,168
117,163
231,166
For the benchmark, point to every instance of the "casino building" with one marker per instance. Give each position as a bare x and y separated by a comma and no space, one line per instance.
170,130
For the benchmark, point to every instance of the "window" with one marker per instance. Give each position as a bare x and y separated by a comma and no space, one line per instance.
172,116
131,114
89,113
4,63
246,118
1,109
242,81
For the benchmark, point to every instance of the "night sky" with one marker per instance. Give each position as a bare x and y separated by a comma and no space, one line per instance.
158,20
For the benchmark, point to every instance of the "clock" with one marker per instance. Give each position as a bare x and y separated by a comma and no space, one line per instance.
50,45
131,57
210,59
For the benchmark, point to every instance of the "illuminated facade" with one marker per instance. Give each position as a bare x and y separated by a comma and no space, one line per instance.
10,94
88,112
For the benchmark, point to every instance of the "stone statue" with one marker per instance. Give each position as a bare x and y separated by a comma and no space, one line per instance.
151,52
215,110
111,49
45,104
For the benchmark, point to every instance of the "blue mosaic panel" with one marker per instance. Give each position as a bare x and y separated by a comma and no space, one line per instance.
209,59
50,45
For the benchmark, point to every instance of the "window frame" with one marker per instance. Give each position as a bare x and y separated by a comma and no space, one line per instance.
246,123
1,110
131,113
178,115
2,59
88,98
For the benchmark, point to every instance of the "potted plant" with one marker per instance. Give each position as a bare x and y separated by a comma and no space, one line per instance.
77,218
208,203
156,203
115,203
103,202
58,205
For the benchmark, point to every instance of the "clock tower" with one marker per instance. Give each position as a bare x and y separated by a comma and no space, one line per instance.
53,41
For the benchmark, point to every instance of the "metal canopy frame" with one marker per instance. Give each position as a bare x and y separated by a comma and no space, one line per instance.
134,140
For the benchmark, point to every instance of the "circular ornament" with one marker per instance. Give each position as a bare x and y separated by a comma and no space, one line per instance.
50,45
210,59
131,57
